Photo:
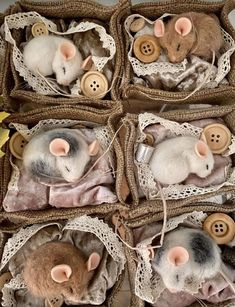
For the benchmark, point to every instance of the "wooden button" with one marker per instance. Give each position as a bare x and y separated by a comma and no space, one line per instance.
17,145
146,48
94,84
149,140
38,29
218,137
221,227
137,24
54,302
4,279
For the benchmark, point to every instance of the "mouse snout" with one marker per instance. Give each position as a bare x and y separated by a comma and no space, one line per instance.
172,290
173,59
64,82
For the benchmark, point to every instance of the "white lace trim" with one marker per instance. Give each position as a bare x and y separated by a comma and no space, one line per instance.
21,20
83,223
161,66
16,283
18,240
149,286
102,134
176,191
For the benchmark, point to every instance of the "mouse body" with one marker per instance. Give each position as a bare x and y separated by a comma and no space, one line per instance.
174,159
186,255
57,155
50,54
189,33
59,268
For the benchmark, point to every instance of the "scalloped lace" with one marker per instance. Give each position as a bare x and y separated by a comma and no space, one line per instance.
162,66
102,134
21,20
149,285
176,191
83,223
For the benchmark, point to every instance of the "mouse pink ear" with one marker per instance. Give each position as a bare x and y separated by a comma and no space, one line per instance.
61,273
183,26
94,148
68,50
178,256
93,262
159,28
201,149
59,147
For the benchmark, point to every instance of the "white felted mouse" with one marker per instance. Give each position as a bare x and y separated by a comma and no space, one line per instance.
174,159
58,155
49,54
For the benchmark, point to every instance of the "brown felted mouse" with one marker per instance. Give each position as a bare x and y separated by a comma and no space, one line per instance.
189,33
59,268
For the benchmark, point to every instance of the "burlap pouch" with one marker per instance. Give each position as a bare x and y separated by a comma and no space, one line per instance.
128,223
88,114
153,97
118,293
60,12
131,121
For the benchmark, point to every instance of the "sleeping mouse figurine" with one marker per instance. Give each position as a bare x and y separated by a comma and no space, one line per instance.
189,33
58,155
50,54
186,255
59,268
174,159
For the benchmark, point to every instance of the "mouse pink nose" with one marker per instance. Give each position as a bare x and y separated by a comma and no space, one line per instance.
178,256
173,59
172,290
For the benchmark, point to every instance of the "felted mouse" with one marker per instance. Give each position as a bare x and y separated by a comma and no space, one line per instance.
58,155
174,159
59,268
50,54
189,33
186,258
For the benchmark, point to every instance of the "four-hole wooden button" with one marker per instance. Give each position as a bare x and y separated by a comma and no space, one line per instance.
17,144
221,227
94,84
146,48
218,137
39,28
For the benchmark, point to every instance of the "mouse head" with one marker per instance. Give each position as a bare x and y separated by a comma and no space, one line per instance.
58,155
72,163
176,37
72,282
201,160
187,257
67,63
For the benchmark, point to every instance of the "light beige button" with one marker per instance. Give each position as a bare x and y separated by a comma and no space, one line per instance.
54,302
218,137
38,29
94,84
221,227
146,48
149,140
17,144
137,24
4,279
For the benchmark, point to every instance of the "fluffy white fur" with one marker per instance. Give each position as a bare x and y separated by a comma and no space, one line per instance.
43,54
174,159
